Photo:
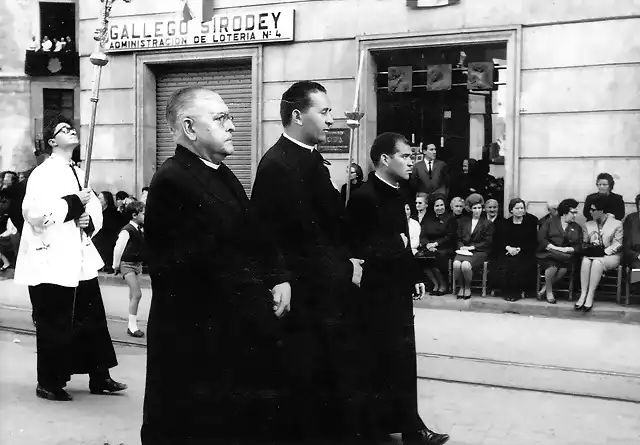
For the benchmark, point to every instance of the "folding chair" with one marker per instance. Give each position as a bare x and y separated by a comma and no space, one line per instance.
570,272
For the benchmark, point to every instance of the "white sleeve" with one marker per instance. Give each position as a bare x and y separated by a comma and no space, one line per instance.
39,208
118,250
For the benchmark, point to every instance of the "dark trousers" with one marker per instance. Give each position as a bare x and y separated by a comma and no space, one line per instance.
71,339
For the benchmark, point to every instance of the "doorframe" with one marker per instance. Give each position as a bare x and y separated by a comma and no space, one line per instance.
144,125
511,36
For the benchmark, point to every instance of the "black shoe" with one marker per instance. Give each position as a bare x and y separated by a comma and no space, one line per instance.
108,385
424,437
58,394
577,306
587,308
137,334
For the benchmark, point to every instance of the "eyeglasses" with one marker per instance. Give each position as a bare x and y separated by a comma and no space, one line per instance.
223,118
65,130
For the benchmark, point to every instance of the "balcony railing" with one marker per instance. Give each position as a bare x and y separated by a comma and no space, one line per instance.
43,63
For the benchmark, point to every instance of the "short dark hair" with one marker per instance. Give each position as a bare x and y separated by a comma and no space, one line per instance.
473,199
566,205
515,201
50,127
121,195
145,189
609,179
108,198
359,173
600,202
133,208
432,201
386,144
297,98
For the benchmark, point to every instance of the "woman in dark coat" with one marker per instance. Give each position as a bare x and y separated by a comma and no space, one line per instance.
356,176
516,239
105,239
475,237
614,203
631,238
437,242
560,239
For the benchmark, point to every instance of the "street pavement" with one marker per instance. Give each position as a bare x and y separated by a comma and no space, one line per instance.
471,414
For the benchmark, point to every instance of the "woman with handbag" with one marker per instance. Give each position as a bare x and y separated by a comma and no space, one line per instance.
474,240
437,240
602,252
560,238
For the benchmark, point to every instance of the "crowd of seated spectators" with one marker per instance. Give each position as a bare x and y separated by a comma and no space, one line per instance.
12,187
470,230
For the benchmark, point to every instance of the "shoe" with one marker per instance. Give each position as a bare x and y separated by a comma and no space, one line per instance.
4,267
551,301
424,437
59,394
437,293
587,308
108,385
137,333
577,306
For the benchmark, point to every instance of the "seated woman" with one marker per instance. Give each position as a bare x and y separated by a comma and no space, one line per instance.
457,207
559,240
602,251
631,238
491,208
437,241
475,236
516,240
414,230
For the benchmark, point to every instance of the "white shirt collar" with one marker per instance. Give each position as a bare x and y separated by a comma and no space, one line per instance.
426,161
297,142
60,159
134,224
395,186
210,164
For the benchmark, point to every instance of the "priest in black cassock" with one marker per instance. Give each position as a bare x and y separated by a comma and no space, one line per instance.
304,212
380,236
219,288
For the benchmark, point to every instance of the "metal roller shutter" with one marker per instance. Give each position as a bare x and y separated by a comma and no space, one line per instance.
233,83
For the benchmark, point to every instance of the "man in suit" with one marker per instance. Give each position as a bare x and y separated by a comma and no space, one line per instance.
305,213
219,288
379,235
431,175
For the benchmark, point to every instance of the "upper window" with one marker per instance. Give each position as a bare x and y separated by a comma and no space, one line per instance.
58,26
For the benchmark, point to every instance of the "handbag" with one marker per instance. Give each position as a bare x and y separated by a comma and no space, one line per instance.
593,250
424,254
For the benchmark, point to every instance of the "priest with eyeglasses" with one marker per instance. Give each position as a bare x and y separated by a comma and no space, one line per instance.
59,263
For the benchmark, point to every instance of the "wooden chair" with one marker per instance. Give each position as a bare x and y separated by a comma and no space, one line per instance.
476,283
628,272
571,278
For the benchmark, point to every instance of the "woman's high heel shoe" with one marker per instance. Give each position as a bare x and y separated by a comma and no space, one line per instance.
587,308
577,306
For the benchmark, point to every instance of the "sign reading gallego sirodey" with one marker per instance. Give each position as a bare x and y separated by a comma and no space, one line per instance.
261,25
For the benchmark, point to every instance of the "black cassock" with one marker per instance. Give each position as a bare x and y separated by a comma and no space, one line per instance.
388,355
213,339
298,203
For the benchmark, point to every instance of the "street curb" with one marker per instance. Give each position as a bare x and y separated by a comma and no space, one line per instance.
602,311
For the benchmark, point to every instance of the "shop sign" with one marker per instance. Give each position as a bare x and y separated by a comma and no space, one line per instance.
164,31
338,140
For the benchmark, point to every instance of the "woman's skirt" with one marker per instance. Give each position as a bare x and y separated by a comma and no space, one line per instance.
610,261
476,260
555,259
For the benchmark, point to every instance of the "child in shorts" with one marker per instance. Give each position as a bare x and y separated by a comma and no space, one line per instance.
128,255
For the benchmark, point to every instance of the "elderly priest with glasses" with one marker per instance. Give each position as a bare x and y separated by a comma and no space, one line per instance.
60,264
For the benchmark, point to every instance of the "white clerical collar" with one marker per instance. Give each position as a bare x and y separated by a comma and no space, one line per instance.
210,164
395,186
297,142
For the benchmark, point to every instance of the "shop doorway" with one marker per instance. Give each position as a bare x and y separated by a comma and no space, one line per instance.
424,93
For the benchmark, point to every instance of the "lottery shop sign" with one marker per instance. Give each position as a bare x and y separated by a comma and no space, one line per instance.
163,31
